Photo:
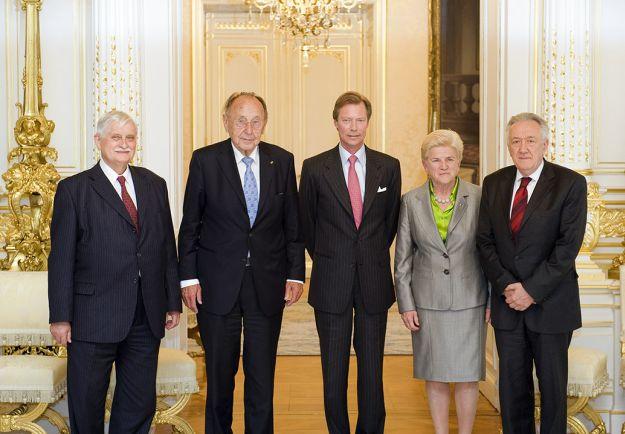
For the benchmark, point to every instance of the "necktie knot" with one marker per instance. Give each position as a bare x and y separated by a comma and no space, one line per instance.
524,181
352,159
247,161
121,180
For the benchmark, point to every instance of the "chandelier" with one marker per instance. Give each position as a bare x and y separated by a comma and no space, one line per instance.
307,21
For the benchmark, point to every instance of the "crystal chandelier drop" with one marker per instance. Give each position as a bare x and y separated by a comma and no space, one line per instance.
307,21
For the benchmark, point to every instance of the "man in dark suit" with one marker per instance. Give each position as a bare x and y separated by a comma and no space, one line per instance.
241,259
531,226
349,200
112,282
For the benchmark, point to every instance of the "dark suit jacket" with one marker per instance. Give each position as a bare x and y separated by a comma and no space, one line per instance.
97,256
543,256
215,234
332,240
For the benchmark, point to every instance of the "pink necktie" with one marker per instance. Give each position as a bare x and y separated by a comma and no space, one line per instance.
353,186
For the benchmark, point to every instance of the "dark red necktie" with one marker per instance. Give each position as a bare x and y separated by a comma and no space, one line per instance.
518,206
128,203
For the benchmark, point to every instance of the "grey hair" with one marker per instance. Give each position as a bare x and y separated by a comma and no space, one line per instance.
544,128
236,95
117,116
442,138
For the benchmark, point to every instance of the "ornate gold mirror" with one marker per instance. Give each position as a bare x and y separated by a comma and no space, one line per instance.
454,75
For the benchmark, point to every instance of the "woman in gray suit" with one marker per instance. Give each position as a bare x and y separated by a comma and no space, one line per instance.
441,290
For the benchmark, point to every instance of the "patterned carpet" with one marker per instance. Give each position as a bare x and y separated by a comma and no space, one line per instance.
299,334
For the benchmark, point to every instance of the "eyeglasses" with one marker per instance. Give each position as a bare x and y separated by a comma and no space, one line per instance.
242,124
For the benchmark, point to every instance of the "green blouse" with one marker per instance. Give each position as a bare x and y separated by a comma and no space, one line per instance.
443,217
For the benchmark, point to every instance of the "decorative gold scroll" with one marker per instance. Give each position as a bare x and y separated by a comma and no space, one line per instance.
31,180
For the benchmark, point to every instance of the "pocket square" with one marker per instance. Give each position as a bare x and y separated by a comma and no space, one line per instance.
381,189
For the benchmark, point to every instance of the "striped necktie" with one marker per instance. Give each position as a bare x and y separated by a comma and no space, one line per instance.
518,206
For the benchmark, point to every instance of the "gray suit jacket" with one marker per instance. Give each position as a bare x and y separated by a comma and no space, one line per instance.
430,274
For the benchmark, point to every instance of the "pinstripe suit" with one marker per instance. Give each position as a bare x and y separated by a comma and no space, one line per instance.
351,270
114,286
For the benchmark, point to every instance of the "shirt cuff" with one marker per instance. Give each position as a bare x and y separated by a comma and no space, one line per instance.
295,280
189,282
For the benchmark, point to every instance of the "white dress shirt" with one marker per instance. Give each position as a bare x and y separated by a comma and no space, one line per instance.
360,166
112,176
530,186
241,167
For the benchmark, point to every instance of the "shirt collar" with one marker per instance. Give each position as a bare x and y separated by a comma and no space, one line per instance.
238,155
111,175
361,155
534,175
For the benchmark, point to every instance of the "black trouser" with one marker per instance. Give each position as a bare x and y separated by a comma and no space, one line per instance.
335,332
88,375
221,337
519,349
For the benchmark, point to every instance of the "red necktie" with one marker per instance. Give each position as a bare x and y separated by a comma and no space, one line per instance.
518,206
128,203
353,187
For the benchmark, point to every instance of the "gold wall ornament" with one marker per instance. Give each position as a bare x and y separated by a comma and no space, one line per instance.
593,219
603,222
31,180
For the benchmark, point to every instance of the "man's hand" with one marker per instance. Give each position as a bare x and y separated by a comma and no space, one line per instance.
61,332
487,315
517,297
172,320
292,292
411,320
191,294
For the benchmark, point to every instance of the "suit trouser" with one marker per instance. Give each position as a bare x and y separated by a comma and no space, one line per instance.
519,349
221,337
335,331
88,375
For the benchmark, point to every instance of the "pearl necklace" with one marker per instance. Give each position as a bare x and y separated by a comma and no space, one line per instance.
443,201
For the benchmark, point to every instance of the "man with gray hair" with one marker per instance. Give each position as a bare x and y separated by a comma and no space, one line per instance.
241,260
112,282
531,226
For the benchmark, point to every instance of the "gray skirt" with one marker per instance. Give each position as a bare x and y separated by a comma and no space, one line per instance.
450,345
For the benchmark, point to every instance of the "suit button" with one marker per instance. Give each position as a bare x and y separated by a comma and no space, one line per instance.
445,255
446,271
138,255
134,280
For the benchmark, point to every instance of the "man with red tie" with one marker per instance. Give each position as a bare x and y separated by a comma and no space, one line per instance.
113,283
349,201
531,226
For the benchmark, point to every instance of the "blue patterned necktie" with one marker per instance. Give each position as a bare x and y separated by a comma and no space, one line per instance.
250,189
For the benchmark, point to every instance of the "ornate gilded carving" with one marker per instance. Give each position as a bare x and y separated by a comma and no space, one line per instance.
32,350
603,222
595,207
31,180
